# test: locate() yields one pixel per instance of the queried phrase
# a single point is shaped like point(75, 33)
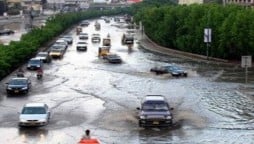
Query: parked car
point(96, 38)
point(18, 85)
point(67, 38)
point(34, 114)
point(113, 58)
point(172, 69)
point(34, 63)
point(44, 56)
point(81, 46)
point(155, 112)
point(6, 32)
point(83, 36)
point(56, 53)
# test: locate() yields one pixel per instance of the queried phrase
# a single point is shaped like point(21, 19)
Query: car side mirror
point(138, 108)
point(171, 108)
point(7, 83)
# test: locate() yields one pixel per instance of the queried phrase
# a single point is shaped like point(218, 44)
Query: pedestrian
point(86, 135)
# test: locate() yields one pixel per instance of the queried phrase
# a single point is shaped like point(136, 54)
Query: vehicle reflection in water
point(33, 133)
point(155, 135)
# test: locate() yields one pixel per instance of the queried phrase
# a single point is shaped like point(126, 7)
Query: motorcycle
point(20, 74)
point(39, 75)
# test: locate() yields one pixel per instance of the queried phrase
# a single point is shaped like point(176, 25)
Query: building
point(188, 2)
point(240, 2)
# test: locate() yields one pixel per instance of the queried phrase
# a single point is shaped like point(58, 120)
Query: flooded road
point(85, 92)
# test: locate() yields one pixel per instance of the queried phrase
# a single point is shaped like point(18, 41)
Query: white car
point(34, 114)
point(81, 46)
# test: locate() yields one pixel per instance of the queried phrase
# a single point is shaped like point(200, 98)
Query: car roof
point(154, 98)
point(35, 105)
point(19, 78)
point(35, 58)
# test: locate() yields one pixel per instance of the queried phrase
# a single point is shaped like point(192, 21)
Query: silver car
point(34, 114)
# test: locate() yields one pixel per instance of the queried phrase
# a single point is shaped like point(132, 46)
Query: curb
point(146, 43)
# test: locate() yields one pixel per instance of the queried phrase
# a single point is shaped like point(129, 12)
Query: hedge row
point(182, 27)
point(18, 52)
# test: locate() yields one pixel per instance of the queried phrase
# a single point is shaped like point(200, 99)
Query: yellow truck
point(103, 51)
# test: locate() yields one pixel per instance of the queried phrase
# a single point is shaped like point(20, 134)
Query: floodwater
point(85, 92)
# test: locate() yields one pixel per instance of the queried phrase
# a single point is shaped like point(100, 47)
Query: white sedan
point(34, 114)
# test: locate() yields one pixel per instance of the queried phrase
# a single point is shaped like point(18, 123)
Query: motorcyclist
point(39, 72)
point(20, 72)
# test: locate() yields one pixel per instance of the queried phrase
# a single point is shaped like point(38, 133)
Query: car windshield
point(56, 50)
point(18, 82)
point(34, 62)
point(155, 106)
point(33, 110)
point(175, 68)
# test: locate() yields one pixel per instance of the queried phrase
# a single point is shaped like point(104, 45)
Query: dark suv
point(155, 112)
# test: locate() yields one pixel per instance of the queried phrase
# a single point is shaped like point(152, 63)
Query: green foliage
point(182, 27)
point(16, 53)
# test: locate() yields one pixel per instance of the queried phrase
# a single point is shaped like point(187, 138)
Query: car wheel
point(185, 75)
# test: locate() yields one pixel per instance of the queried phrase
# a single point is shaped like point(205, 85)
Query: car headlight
point(22, 120)
point(168, 117)
point(24, 88)
point(9, 88)
point(42, 120)
point(142, 117)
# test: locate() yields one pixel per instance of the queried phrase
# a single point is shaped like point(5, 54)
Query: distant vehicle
point(34, 63)
point(6, 32)
point(56, 53)
point(34, 114)
point(83, 36)
point(84, 23)
point(173, 70)
point(67, 38)
point(103, 51)
point(44, 56)
point(18, 85)
point(106, 42)
point(155, 112)
point(78, 30)
point(62, 42)
point(127, 39)
point(107, 20)
point(113, 58)
point(81, 46)
point(97, 25)
point(96, 38)
point(58, 46)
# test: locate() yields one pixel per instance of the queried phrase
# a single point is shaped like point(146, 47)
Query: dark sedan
point(113, 58)
point(172, 69)
point(18, 85)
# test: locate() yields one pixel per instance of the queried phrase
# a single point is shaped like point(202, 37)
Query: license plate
point(156, 122)
point(16, 91)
